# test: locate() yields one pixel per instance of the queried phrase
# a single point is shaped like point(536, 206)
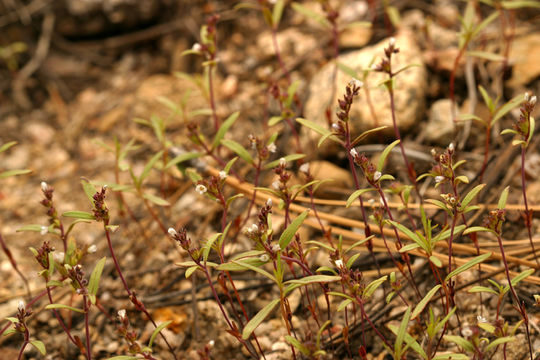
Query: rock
point(409, 91)
point(523, 56)
point(440, 127)
point(325, 170)
point(355, 37)
point(291, 42)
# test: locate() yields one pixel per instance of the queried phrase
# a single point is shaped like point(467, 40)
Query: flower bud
point(21, 305)
point(92, 249)
point(172, 232)
point(222, 175)
point(196, 47)
point(272, 147)
point(304, 168)
point(122, 314)
point(44, 230)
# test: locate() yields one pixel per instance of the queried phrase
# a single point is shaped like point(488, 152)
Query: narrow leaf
point(422, 304)
point(238, 149)
point(156, 332)
point(477, 260)
point(224, 128)
point(258, 319)
point(385, 154)
point(289, 232)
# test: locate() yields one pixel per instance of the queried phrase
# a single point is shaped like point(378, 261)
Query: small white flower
point(21, 305)
point(526, 97)
point(377, 175)
point(196, 47)
point(201, 189)
point(339, 263)
point(335, 127)
point(392, 41)
point(382, 200)
point(354, 82)
point(466, 332)
point(172, 232)
point(44, 230)
point(92, 249)
point(439, 179)
point(433, 152)
point(272, 147)
point(533, 101)
point(254, 228)
point(276, 248)
point(222, 175)
point(264, 258)
point(481, 319)
point(353, 153)
point(276, 185)
point(211, 343)
point(304, 168)
point(451, 146)
point(269, 202)
point(282, 162)
point(44, 186)
point(122, 313)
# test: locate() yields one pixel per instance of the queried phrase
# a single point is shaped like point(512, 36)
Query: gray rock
point(409, 90)
point(440, 127)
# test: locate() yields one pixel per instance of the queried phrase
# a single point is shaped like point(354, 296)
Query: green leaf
point(8, 173)
point(288, 158)
point(471, 195)
point(313, 126)
point(410, 341)
point(181, 158)
point(502, 200)
point(275, 120)
point(277, 11)
point(238, 149)
point(149, 165)
point(297, 344)
point(504, 109)
point(469, 264)
point(372, 286)
point(435, 260)
point(467, 117)
point(451, 356)
point(385, 154)
point(349, 71)
point(224, 128)
point(7, 145)
point(83, 215)
point(249, 266)
point(156, 199)
point(355, 195)
point(258, 318)
point(520, 4)
point(208, 245)
point(407, 232)
point(519, 277)
point(289, 232)
point(62, 306)
point(314, 279)
point(486, 55)
point(422, 304)
point(400, 336)
point(366, 134)
point(93, 283)
point(39, 345)
point(473, 229)
point(33, 227)
point(156, 332)
point(467, 345)
point(484, 23)
point(476, 289)
point(499, 341)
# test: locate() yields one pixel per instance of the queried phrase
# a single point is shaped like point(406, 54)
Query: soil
point(78, 76)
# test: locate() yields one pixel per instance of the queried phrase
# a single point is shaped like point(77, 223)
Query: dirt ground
point(78, 74)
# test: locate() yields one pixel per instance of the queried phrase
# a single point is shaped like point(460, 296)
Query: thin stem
point(528, 213)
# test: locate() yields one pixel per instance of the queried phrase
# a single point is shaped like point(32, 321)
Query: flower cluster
point(49, 204)
point(523, 125)
point(443, 170)
point(130, 336)
point(351, 90)
point(370, 171)
point(184, 241)
point(101, 212)
point(494, 220)
point(385, 64)
point(263, 151)
point(42, 255)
